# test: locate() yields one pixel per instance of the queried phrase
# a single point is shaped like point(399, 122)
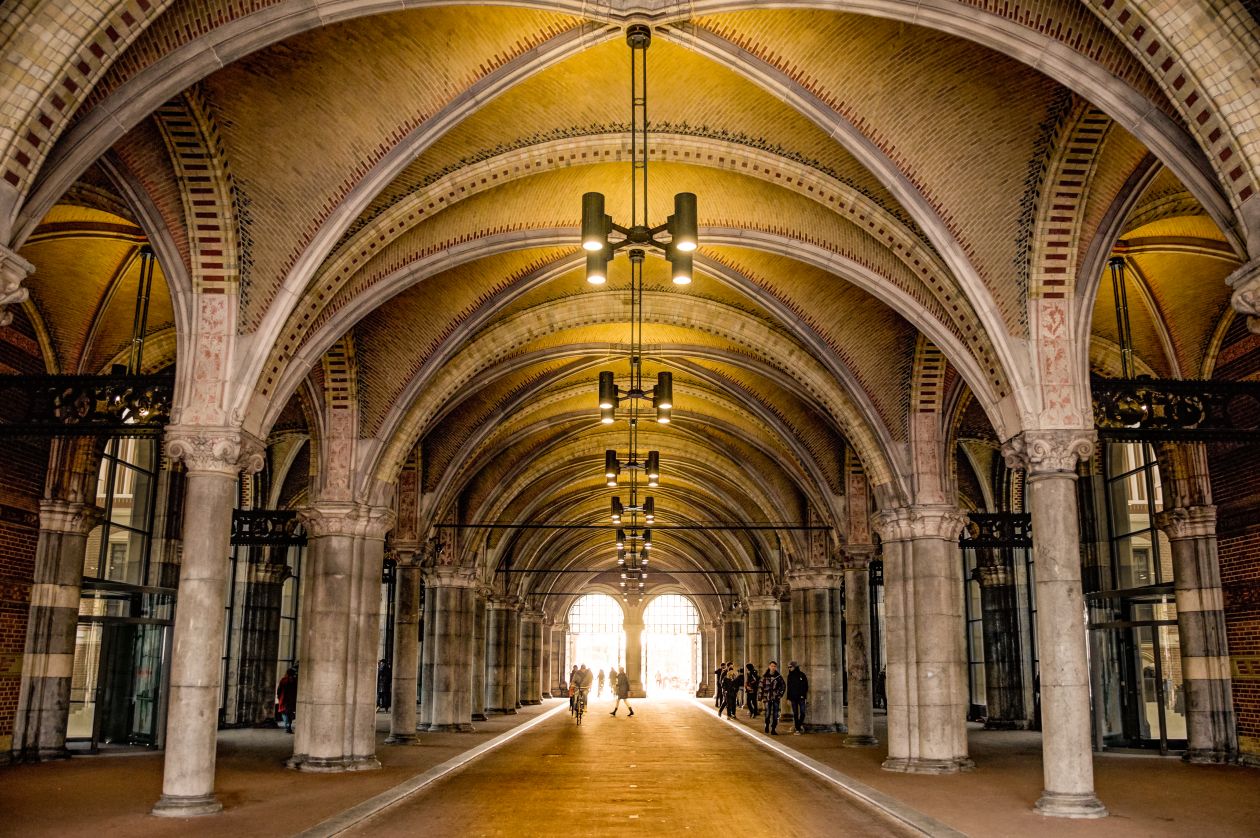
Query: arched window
point(671, 644)
point(671, 614)
point(596, 634)
point(595, 614)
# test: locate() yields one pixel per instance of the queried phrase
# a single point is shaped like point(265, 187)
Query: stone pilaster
point(44, 701)
point(452, 591)
point(404, 697)
point(926, 673)
point(213, 458)
point(13, 270)
point(860, 713)
point(546, 657)
point(1050, 458)
point(503, 635)
point(428, 640)
point(1211, 729)
point(734, 637)
point(336, 718)
point(531, 657)
point(814, 635)
point(1003, 660)
point(634, 652)
point(560, 662)
point(708, 659)
point(479, 655)
point(763, 631)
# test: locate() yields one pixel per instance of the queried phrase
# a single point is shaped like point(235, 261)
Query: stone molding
point(1049, 452)
point(215, 450)
point(812, 578)
point(450, 577)
point(1246, 297)
point(347, 519)
point(69, 517)
point(1187, 522)
point(763, 603)
point(13, 269)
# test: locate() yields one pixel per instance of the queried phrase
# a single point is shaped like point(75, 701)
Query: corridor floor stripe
point(912, 818)
point(341, 822)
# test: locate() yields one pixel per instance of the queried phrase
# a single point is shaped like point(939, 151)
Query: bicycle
point(579, 704)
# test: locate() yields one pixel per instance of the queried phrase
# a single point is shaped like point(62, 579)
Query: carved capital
point(13, 269)
point(1049, 452)
point(893, 524)
point(992, 576)
point(944, 522)
point(407, 554)
point(532, 615)
point(450, 577)
point(502, 602)
point(350, 519)
point(813, 578)
point(211, 450)
point(68, 517)
point(763, 603)
point(1246, 297)
point(857, 556)
point(1187, 522)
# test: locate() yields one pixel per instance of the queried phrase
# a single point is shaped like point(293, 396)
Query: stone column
point(634, 652)
point(502, 653)
point(402, 712)
point(453, 595)
point(1210, 725)
point(708, 659)
point(1003, 663)
point(260, 638)
point(1050, 459)
point(531, 657)
point(813, 636)
point(370, 529)
point(428, 639)
point(44, 701)
point(763, 631)
point(860, 714)
point(479, 655)
point(213, 459)
point(786, 650)
point(560, 663)
point(901, 699)
point(837, 657)
point(734, 637)
point(546, 657)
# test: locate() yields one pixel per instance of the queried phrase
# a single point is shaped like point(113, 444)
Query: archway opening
point(597, 637)
point(671, 644)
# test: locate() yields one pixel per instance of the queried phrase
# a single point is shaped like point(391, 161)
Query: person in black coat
point(797, 693)
point(752, 681)
point(732, 683)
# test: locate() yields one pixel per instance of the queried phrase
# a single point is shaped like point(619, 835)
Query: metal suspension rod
point(714, 525)
point(1124, 334)
point(140, 321)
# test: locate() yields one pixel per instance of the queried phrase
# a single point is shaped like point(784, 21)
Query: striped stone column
point(1210, 725)
point(44, 701)
point(402, 713)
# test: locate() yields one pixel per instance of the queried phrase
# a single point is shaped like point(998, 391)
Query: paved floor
point(672, 769)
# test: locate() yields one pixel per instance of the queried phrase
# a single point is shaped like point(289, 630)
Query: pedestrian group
point(762, 693)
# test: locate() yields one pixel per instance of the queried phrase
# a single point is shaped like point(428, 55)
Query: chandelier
point(634, 519)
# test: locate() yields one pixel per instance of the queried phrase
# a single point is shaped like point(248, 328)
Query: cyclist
point(580, 683)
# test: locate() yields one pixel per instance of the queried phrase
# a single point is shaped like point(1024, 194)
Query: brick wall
point(22, 467)
point(1235, 473)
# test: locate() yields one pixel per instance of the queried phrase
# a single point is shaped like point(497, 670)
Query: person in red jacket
point(286, 698)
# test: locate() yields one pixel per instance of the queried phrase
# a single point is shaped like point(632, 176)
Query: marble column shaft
point(1003, 664)
point(837, 658)
point(1211, 729)
point(48, 659)
point(560, 664)
point(634, 654)
point(479, 656)
point(763, 631)
point(1050, 458)
point(733, 626)
point(813, 635)
point(547, 663)
point(860, 714)
point(503, 651)
point(453, 592)
point(531, 658)
point(214, 458)
point(428, 641)
point(402, 713)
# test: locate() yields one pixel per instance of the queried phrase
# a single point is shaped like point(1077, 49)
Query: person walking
point(600, 677)
point(771, 692)
point(719, 695)
point(384, 685)
point(797, 693)
point(732, 686)
point(286, 698)
point(623, 692)
point(751, 682)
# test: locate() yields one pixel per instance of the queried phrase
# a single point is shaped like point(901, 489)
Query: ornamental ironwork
point(267, 527)
point(86, 405)
point(1154, 409)
point(996, 530)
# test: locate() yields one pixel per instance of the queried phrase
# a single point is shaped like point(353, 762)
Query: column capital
point(1187, 522)
point(1246, 297)
point(352, 519)
point(856, 556)
point(944, 522)
point(1049, 452)
point(503, 602)
point(763, 603)
point(993, 576)
point(13, 269)
point(214, 450)
point(269, 572)
point(65, 516)
point(810, 578)
point(451, 577)
point(533, 615)
point(407, 555)
point(892, 524)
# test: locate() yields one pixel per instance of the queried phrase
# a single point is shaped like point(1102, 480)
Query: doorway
point(597, 638)
point(671, 645)
point(117, 685)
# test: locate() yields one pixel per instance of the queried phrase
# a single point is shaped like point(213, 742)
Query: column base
point(530, 702)
point(479, 717)
point(918, 765)
point(464, 727)
point(547, 695)
point(1249, 760)
point(332, 765)
point(179, 806)
point(817, 728)
point(1209, 756)
point(1007, 724)
point(401, 739)
point(501, 711)
point(1055, 804)
point(41, 754)
point(859, 741)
